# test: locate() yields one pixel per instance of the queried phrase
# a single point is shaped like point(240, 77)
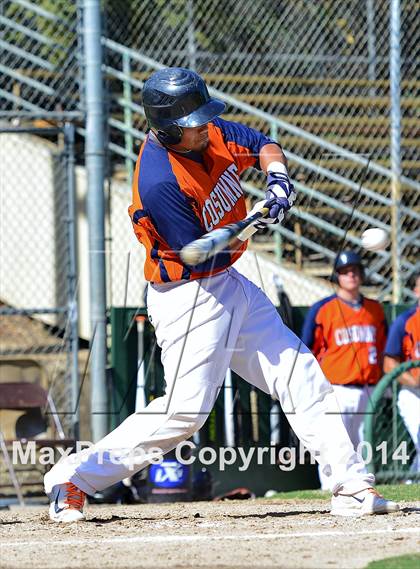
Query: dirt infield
point(258, 533)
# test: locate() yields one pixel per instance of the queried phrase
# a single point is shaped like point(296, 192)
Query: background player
point(403, 344)
point(209, 317)
point(347, 332)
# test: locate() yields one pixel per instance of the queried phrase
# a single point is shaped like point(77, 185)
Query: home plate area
point(234, 534)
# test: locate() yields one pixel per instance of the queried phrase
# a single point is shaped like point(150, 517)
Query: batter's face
point(350, 278)
point(195, 139)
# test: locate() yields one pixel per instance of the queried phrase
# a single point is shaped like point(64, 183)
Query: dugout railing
point(390, 451)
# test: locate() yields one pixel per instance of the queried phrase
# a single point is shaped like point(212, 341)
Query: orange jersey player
point(403, 344)
point(347, 334)
point(209, 317)
point(179, 196)
point(347, 338)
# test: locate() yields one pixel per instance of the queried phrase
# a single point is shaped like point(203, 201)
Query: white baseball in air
point(375, 239)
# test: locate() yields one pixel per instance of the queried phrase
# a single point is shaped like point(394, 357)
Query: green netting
point(391, 449)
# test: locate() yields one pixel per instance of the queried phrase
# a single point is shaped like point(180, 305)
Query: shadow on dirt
point(138, 518)
point(280, 514)
point(410, 510)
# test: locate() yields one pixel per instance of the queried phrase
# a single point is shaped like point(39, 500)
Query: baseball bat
point(215, 241)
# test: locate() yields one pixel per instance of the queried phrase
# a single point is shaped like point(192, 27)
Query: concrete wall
point(28, 263)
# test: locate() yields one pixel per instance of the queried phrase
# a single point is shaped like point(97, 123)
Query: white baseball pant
point(352, 401)
point(203, 327)
point(409, 408)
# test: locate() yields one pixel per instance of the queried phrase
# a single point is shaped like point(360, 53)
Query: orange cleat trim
point(75, 498)
point(374, 492)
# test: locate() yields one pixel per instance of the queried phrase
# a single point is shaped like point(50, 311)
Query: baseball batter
point(346, 332)
point(209, 317)
point(403, 344)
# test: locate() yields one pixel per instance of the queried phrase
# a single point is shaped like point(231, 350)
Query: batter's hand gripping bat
point(215, 241)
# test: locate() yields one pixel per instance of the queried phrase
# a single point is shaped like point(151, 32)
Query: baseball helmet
point(174, 98)
point(346, 258)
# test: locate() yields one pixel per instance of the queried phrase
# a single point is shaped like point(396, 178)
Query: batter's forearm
point(271, 153)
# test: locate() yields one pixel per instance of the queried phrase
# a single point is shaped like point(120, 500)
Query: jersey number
point(373, 355)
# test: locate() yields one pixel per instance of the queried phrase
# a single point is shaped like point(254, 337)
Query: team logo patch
point(222, 198)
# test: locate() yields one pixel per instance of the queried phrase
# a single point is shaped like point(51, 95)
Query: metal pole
point(73, 312)
point(95, 162)
point(128, 116)
point(275, 423)
point(192, 51)
point(11, 470)
point(229, 410)
point(395, 86)
point(278, 247)
point(371, 41)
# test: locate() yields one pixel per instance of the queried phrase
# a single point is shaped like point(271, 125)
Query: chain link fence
point(38, 305)
point(320, 66)
point(323, 66)
point(41, 54)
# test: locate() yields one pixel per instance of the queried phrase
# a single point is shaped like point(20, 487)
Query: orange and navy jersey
point(179, 197)
point(403, 341)
point(347, 341)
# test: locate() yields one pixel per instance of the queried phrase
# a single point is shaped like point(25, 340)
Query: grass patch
point(397, 492)
point(410, 561)
point(302, 495)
